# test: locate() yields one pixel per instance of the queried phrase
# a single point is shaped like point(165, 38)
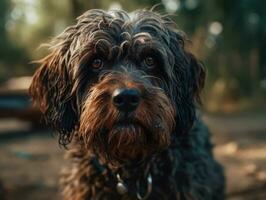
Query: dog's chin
point(128, 141)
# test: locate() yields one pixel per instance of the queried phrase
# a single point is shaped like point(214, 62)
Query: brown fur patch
point(148, 129)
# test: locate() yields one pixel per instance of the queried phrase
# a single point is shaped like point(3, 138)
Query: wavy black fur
point(63, 86)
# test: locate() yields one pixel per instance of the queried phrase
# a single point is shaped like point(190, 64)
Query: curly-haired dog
point(121, 91)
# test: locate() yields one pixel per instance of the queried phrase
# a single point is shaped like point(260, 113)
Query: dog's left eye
point(97, 63)
point(149, 62)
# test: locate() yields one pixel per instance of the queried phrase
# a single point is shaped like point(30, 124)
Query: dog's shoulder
point(200, 135)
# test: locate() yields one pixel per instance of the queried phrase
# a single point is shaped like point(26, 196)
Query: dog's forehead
point(117, 24)
point(118, 36)
point(146, 23)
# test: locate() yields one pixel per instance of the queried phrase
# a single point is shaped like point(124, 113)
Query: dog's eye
point(149, 62)
point(97, 63)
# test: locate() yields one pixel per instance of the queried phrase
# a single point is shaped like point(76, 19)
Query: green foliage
point(236, 54)
point(10, 54)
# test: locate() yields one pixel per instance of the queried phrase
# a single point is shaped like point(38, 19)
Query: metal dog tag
point(120, 186)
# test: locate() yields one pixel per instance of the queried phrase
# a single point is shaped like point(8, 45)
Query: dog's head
point(122, 84)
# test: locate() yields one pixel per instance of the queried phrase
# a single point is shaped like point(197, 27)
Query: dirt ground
point(30, 161)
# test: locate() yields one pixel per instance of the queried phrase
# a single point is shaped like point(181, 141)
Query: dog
point(121, 90)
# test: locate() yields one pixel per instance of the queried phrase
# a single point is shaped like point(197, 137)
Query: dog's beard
point(118, 137)
point(127, 141)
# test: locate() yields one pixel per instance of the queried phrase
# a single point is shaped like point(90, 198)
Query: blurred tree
point(3, 35)
point(79, 6)
point(230, 36)
point(245, 39)
point(34, 22)
point(10, 55)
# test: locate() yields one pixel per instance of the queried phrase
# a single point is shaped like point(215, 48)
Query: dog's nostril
point(117, 100)
point(135, 99)
point(126, 99)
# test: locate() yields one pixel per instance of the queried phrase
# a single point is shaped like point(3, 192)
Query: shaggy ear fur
point(190, 78)
point(54, 90)
point(50, 90)
point(198, 75)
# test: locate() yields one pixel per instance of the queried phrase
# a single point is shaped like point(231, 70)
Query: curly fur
point(163, 135)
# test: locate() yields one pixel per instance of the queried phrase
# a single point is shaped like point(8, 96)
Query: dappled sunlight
point(20, 83)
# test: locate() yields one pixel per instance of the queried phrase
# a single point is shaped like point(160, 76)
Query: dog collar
point(148, 189)
point(122, 189)
point(121, 186)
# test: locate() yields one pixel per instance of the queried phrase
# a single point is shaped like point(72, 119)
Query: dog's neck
point(131, 170)
point(130, 178)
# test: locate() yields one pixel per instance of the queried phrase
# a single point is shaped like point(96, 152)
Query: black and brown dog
point(121, 91)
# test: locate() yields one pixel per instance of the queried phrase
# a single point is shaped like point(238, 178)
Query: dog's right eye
point(97, 63)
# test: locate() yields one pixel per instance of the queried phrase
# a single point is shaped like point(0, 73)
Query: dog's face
point(123, 85)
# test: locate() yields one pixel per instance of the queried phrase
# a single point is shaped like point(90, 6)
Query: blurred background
point(228, 36)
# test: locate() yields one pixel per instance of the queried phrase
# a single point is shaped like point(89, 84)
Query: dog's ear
point(50, 90)
point(197, 76)
point(189, 80)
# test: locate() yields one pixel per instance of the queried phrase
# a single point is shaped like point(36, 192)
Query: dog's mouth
point(129, 124)
point(131, 128)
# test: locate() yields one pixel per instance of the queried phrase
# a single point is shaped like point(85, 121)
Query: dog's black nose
point(126, 99)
